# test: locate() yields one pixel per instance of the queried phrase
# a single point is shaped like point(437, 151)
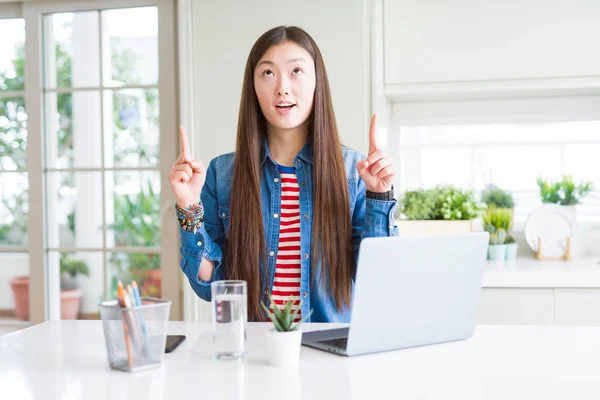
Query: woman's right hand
point(187, 176)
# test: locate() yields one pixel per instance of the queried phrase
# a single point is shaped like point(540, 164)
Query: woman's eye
point(268, 72)
point(297, 71)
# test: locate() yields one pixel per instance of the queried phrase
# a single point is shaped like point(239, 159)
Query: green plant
point(455, 204)
point(509, 240)
point(69, 269)
point(498, 221)
point(564, 192)
point(418, 204)
point(283, 318)
point(493, 196)
point(137, 223)
point(441, 203)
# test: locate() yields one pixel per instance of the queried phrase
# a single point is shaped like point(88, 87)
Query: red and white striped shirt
point(286, 285)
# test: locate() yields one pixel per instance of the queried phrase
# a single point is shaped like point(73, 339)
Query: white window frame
point(13, 11)
point(44, 284)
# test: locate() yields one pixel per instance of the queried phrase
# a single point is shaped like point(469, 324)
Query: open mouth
point(285, 106)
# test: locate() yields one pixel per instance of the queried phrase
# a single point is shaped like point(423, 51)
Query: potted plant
point(497, 222)
point(564, 192)
point(511, 248)
point(284, 340)
point(137, 223)
point(494, 197)
point(70, 293)
point(443, 209)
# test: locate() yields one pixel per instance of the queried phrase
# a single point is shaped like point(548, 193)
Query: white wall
point(224, 32)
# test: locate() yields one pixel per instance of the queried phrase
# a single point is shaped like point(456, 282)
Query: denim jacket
point(369, 218)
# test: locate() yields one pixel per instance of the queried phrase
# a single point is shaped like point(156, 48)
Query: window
point(14, 203)
point(100, 95)
point(511, 156)
point(102, 144)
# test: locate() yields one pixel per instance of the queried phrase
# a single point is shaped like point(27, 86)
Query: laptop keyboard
point(338, 342)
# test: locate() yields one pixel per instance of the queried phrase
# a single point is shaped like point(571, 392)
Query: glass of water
point(230, 317)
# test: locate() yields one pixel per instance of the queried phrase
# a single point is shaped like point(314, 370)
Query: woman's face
point(284, 80)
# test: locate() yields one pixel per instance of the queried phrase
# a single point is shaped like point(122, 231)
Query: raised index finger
point(185, 145)
point(373, 147)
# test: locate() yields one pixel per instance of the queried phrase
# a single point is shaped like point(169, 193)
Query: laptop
point(410, 291)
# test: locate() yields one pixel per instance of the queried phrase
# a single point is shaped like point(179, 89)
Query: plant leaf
point(304, 319)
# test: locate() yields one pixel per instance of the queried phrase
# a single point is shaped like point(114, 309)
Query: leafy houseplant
point(494, 197)
point(69, 269)
point(418, 205)
point(454, 204)
point(564, 192)
point(283, 342)
point(440, 203)
point(443, 209)
point(497, 221)
point(137, 223)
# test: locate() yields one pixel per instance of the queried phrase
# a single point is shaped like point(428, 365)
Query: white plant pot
point(283, 347)
point(511, 251)
point(497, 252)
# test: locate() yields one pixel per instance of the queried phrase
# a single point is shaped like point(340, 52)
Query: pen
point(138, 300)
point(132, 296)
point(136, 292)
point(123, 301)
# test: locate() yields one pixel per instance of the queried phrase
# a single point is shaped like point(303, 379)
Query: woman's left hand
point(378, 170)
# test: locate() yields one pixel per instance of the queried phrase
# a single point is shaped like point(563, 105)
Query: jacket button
point(199, 244)
point(304, 295)
point(303, 183)
point(305, 216)
point(272, 253)
point(223, 215)
point(305, 255)
point(276, 180)
point(275, 216)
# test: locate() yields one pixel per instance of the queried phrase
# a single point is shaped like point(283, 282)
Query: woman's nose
point(283, 89)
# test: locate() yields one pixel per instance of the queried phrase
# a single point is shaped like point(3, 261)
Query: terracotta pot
point(70, 300)
point(20, 288)
point(70, 303)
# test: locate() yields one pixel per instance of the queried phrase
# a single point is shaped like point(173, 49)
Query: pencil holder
point(135, 337)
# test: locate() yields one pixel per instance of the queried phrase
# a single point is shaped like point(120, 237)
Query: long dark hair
point(332, 225)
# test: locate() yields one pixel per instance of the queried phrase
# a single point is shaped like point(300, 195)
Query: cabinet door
point(500, 306)
point(577, 307)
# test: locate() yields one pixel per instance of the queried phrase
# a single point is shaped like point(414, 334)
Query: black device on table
point(173, 341)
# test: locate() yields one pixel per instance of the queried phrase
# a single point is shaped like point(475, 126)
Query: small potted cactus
point(511, 248)
point(497, 222)
point(284, 340)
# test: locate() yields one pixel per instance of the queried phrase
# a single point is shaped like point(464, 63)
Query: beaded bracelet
point(191, 217)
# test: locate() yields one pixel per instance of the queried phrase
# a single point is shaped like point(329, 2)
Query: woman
point(287, 211)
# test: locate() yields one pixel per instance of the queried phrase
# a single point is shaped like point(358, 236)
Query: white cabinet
point(540, 306)
point(577, 307)
point(432, 41)
point(518, 306)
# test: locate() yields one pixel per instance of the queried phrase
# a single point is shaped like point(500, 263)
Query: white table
point(67, 360)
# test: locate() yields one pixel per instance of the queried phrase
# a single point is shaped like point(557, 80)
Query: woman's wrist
point(191, 217)
point(388, 195)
